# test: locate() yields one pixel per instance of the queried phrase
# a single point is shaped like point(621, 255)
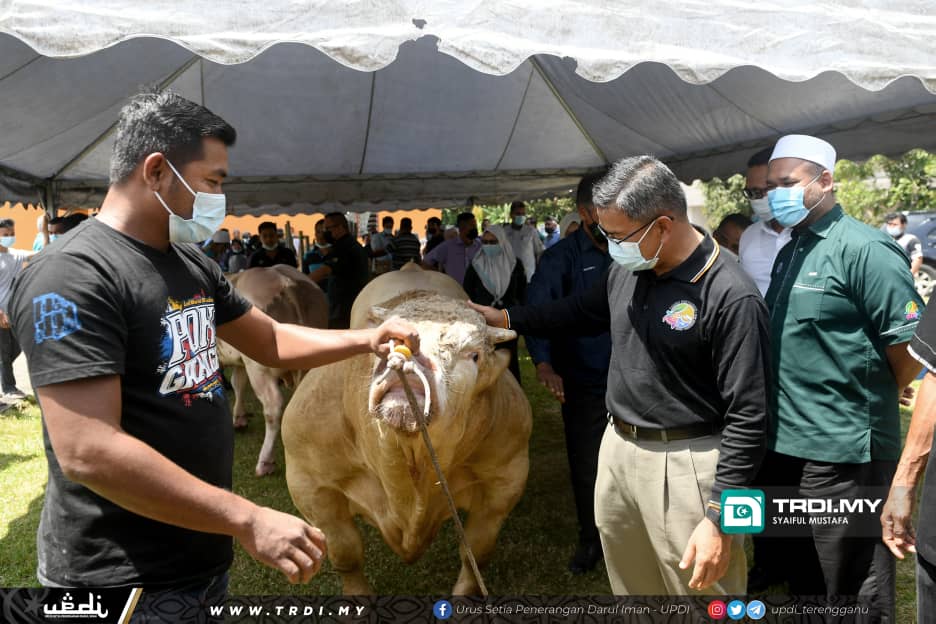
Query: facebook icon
point(442, 610)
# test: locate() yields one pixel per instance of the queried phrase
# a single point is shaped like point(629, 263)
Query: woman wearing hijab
point(496, 278)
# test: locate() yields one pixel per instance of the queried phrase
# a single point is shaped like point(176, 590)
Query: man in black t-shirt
point(120, 322)
point(271, 252)
point(346, 263)
point(897, 514)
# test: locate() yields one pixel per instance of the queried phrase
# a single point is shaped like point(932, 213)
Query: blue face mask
point(53, 238)
point(519, 220)
point(628, 254)
point(786, 204)
point(492, 250)
point(7, 241)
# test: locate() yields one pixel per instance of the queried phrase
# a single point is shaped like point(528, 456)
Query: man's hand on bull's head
point(492, 316)
point(397, 330)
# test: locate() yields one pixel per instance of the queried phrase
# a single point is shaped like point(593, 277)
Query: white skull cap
point(805, 147)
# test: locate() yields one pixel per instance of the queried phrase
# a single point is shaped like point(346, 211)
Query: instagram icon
point(717, 609)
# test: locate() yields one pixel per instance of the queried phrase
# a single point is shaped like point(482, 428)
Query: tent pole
point(513, 128)
point(370, 111)
point(568, 110)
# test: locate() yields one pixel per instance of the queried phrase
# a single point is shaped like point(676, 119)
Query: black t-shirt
point(100, 303)
point(284, 255)
point(923, 348)
point(348, 262)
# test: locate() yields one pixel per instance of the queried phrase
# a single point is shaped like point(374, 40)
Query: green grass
point(531, 556)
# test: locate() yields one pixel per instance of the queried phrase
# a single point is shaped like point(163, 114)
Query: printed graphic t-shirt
point(101, 303)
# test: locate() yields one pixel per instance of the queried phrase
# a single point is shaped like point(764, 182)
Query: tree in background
point(557, 207)
point(722, 198)
point(862, 188)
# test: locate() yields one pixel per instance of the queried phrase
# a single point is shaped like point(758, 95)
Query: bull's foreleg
point(328, 510)
point(489, 508)
point(267, 389)
point(239, 383)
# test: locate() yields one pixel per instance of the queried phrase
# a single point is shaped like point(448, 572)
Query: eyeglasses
point(755, 193)
point(604, 232)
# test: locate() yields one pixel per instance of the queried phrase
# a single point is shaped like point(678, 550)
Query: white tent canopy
point(379, 104)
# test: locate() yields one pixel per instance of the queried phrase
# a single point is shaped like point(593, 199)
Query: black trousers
point(9, 351)
point(926, 591)
point(850, 564)
point(585, 419)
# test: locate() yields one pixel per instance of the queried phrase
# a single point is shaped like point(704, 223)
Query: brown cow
point(353, 445)
point(287, 296)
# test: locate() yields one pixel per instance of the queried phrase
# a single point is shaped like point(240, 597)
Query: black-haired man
point(346, 266)
point(120, 326)
point(760, 243)
point(896, 225)
point(575, 368)
point(271, 251)
point(453, 256)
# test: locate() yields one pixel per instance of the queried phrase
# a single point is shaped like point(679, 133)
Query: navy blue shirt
point(569, 268)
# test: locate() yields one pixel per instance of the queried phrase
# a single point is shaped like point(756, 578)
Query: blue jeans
point(187, 603)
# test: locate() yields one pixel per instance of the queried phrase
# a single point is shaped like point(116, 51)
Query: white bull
point(353, 446)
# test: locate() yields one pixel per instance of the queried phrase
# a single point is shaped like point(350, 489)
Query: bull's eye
point(474, 356)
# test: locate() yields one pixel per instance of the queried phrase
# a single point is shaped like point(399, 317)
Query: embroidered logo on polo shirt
point(681, 315)
point(912, 311)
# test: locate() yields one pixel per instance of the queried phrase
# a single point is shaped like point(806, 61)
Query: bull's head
point(457, 357)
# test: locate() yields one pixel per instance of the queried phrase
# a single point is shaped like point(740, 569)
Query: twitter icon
point(736, 609)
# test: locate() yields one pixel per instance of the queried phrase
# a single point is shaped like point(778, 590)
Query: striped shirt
point(403, 248)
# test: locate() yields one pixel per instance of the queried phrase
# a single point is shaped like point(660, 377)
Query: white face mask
point(895, 230)
point(207, 215)
point(761, 208)
point(628, 254)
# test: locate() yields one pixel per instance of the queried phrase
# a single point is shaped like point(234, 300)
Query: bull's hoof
point(265, 467)
point(240, 423)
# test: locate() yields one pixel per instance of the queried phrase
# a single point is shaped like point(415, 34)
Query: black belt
point(633, 432)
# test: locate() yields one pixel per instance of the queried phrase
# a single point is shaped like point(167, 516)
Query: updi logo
point(717, 609)
point(742, 511)
point(442, 609)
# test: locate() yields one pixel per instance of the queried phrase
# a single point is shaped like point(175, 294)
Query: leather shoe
point(586, 557)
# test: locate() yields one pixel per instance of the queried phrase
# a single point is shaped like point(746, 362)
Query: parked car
point(923, 226)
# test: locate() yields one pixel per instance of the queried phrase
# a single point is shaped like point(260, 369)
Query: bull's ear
point(497, 335)
point(494, 368)
point(377, 316)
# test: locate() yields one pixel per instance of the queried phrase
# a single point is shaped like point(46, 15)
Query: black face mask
point(600, 238)
point(329, 237)
point(472, 234)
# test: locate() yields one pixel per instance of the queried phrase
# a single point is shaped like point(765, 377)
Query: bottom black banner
point(28, 606)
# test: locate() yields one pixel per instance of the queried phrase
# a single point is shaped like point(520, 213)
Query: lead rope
point(399, 360)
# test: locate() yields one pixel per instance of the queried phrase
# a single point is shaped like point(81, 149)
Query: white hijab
point(495, 271)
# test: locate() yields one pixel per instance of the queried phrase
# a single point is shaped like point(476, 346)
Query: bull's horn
point(378, 315)
point(497, 335)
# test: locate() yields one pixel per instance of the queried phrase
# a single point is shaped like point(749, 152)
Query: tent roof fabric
point(383, 104)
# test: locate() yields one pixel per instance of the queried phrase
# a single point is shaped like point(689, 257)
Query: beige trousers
point(649, 498)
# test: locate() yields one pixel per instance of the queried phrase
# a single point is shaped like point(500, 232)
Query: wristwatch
point(713, 512)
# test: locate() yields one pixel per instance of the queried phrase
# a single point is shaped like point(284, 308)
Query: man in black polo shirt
point(347, 262)
point(897, 515)
point(271, 251)
point(686, 386)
